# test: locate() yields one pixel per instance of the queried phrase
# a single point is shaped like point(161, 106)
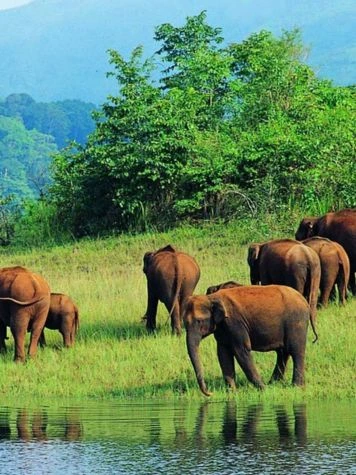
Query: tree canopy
point(226, 129)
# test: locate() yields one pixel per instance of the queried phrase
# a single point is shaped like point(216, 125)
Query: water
point(178, 438)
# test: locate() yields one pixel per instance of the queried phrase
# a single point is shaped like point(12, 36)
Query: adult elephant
point(339, 226)
point(24, 303)
point(287, 262)
point(267, 318)
point(335, 267)
point(171, 277)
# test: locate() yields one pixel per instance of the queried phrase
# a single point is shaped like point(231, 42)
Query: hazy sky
point(5, 4)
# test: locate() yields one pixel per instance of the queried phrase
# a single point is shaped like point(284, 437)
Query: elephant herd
point(271, 316)
point(26, 304)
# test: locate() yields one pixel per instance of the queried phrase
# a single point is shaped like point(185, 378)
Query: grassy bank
point(115, 358)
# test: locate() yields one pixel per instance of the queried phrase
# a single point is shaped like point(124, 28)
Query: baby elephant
point(63, 315)
point(225, 285)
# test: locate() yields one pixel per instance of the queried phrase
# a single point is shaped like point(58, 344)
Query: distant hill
point(56, 49)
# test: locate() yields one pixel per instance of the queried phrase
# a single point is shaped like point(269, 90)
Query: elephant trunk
point(193, 341)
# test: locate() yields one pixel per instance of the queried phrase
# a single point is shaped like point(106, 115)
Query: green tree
point(24, 159)
point(224, 127)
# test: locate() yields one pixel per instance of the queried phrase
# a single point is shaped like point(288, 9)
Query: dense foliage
point(227, 130)
point(30, 133)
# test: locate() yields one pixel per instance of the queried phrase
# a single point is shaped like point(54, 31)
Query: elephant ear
point(219, 310)
point(147, 260)
point(253, 253)
point(311, 227)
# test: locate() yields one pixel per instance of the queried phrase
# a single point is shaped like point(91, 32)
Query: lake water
point(178, 438)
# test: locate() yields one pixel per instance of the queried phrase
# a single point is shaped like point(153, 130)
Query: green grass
point(114, 357)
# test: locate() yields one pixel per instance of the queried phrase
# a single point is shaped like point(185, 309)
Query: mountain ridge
point(56, 49)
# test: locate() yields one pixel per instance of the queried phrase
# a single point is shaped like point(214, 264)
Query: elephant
point(63, 315)
point(253, 317)
point(24, 303)
point(287, 262)
point(171, 277)
point(225, 285)
point(335, 267)
point(340, 227)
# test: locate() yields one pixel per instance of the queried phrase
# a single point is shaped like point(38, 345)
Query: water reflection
point(32, 425)
point(182, 437)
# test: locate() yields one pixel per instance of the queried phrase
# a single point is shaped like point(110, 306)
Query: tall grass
point(115, 358)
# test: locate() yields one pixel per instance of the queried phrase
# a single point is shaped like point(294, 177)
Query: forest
point(199, 131)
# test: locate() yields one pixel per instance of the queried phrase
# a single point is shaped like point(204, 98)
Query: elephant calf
point(260, 318)
point(63, 315)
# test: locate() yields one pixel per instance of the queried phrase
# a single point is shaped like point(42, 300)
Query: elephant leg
point(298, 368)
point(281, 364)
point(151, 312)
point(342, 288)
point(352, 282)
point(175, 319)
point(18, 331)
point(226, 361)
point(333, 294)
point(67, 340)
point(2, 337)
point(245, 360)
point(326, 286)
point(36, 330)
point(42, 340)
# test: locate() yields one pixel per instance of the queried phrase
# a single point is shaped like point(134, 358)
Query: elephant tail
point(314, 283)
point(76, 322)
point(178, 284)
point(22, 302)
point(312, 323)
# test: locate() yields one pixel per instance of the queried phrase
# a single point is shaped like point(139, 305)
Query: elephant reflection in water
point(31, 429)
point(237, 430)
point(33, 426)
point(249, 428)
point(5, 430)
point(73, 429)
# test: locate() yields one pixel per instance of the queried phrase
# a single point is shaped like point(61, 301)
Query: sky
point(6, 4)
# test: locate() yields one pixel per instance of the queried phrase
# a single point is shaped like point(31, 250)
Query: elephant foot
point(230, 384)
point(259, 385)
point(19, 359)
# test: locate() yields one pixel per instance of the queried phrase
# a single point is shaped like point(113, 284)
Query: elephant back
point(22, 285)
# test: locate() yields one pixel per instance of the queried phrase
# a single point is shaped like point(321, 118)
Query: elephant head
point(307, 228)
point(202, 314)
point(253, 261)
point(148, 257)
point(225, 285)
